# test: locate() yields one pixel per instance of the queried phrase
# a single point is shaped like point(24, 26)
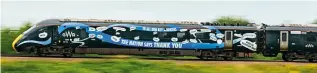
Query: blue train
point(179, 38)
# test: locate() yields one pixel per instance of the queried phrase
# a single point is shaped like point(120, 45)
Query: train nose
point(14, 43)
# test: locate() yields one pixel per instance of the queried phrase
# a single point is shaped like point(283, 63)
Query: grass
point(146, 66)
point(261, 57)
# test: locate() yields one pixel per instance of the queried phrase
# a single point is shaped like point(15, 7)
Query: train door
point(284, 41)
point(228, 40)
point(54, 35)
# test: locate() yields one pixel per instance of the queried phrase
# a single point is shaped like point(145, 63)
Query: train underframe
point(201, 54)
point(290, 56)
point(47, 50)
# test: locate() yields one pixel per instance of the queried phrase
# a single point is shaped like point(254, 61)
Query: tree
point(25, 27)
point(5, 31)
point(6, 40)
point(8, 36)
point(231, 20)
point(315, 21)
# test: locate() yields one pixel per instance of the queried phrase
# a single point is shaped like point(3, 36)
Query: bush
point(8, 36)
point(232, 20)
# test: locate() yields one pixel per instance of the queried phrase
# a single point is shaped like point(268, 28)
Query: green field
point(132, 65)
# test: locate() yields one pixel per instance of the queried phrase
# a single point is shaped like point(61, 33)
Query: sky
point(13, 14)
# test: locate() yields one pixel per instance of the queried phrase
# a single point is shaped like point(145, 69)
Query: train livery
point(204, 40)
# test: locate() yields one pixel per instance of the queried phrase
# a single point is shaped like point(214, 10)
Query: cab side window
point(42, 34)
point(42, 29)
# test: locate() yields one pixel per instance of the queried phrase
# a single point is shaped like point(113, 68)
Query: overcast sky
point(15, 13)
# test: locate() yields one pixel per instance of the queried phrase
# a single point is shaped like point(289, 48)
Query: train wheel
point(40, 52)
point(312, 58)
point(288, 57)
point(227, 58)
point(202, 57)
point(67, 55)
point(68, 52)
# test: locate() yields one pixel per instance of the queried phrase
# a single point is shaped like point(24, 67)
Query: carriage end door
point(228, 40)
point(284, 41)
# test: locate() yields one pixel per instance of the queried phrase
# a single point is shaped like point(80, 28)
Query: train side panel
point(188, 40)
point(245, 40)
point(302, 41)
point(272, 43)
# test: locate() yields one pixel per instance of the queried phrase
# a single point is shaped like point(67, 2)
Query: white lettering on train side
point(147, 44)
point(135, 43)
point(125, 42)
point(176, 45)
point(158, 29)
point(162, 45)
point(151, 44)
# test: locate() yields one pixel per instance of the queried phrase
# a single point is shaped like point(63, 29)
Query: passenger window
point(295, 38)
point(228, 35)
point(145, 35)
point(180, 35)
point(284, 37)
point(167, 34)
point(83, 33)
point(130, 34)
point(200, 35)
point(162, 34)
point(311, 38)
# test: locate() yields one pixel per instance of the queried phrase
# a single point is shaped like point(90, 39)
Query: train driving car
point(294, 42)
point(69, 36)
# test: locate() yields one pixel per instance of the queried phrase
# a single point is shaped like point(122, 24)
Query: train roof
point(95, 22)
point(98, 21)
point(49, 22)
point(156, 22)
point(191, 24)
point(130, 21)
point(292, 28)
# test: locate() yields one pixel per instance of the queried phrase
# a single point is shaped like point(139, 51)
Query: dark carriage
point(294, 42)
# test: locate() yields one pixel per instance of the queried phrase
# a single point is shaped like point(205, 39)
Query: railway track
point(123, 57)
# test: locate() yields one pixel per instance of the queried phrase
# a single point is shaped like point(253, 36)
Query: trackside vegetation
point(8, 35)
point(146, 66)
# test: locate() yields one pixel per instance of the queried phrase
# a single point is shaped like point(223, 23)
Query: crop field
point(123, 64)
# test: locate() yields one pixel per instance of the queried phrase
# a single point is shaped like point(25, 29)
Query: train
point(205, 40)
